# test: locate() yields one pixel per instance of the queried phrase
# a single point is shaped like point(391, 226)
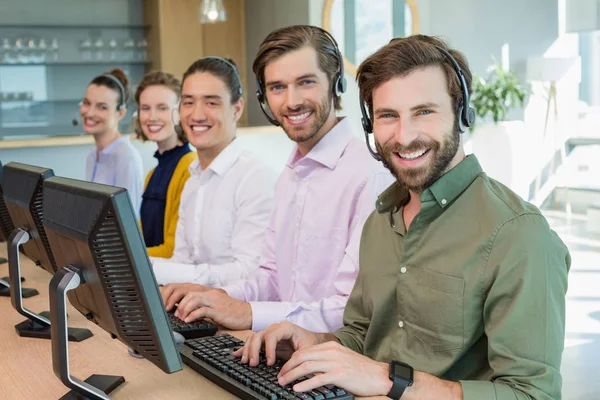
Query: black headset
point(339, 80)
point(465, 112)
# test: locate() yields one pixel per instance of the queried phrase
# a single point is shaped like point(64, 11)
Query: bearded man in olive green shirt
point(460, 279)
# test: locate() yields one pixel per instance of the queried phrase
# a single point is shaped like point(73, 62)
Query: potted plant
point(495, 96)
point(498, 143)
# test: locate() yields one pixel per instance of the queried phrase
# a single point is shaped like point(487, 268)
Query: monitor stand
point(96, 387)
point(5, 289)
point(37, 326)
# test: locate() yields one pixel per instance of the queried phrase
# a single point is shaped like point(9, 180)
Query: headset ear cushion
point(342, 84)
point(470, 116)
point(259, 96)
point(178, 129)
point(461, 118)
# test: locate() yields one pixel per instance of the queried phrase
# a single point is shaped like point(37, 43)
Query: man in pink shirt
point(310, 255)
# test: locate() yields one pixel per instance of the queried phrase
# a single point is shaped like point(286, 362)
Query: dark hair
point(118, 74)
point(224, 69)
point(157, 78)
point(402, 56)
point(292, 38)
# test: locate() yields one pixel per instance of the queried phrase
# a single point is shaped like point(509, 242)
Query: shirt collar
point(329, 149)
point(445, 190)
point(223, 162)
point(174, 152)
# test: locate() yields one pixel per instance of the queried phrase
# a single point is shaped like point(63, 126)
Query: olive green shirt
point(473, 292)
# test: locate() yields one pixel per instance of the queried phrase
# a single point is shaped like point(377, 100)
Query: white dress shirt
point(310, 255)
point(223, 213)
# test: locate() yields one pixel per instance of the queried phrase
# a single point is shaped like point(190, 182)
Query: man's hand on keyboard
point(280, 341)
point(174, 292)
point(335, 364)
point(217, 305)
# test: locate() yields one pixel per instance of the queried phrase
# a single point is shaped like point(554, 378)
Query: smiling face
point(156, 105)
point(414, 127)
point(299, 95)
point(98, 110)
point(207, 115)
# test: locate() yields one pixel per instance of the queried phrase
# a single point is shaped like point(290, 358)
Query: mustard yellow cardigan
point(180, 176)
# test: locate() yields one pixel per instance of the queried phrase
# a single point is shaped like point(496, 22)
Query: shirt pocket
point(438, 313)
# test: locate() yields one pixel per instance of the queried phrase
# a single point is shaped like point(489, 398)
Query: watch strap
point(399, 385)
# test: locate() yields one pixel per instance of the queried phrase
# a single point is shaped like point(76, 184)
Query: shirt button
point(403, 270)
point(401, 324)
point(444, 201)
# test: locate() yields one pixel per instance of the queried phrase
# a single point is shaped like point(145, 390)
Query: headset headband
point(121, 89)
point(235, 70)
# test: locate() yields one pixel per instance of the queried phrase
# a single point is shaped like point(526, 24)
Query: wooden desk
point(26, 364)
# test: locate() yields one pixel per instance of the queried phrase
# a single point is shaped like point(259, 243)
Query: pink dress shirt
point(309, 260)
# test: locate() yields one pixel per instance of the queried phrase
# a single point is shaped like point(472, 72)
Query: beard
point(305, 133)
point(419, 179)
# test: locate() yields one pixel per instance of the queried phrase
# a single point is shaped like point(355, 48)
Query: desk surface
point(26, 364)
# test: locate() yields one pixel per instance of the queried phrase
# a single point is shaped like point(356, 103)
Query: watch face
point(403, 371)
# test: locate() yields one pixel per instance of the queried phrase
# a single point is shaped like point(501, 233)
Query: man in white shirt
point(226, 203)
point(310, 257)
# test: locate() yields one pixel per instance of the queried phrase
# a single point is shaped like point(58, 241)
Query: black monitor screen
point(23, 192)
point(92, 228)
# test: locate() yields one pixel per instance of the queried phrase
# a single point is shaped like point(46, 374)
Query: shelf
point(63, 63)
point(53, 26)
point(40, 101)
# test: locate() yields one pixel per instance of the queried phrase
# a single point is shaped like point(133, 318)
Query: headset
point(465, 113)
point(121, 88)
point(117, 82)
point(339, 80)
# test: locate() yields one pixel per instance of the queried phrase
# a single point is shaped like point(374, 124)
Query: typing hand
point(217, 305)
point(174, 292)
point(280, 341)
point(335, 364)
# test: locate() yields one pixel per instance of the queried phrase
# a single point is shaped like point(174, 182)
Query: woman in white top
point(114, 161)
point(228, 199)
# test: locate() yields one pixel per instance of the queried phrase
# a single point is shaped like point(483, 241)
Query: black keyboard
point(211, 357)
point(191, 330)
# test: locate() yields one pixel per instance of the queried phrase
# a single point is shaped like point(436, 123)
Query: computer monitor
point(23, 195)
point(6, 225)
point(6, 228)
point(105, 272)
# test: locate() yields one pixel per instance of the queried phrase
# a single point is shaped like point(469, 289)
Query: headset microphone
point(74, 122)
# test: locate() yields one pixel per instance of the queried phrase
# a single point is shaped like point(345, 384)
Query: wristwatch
point(401, 374)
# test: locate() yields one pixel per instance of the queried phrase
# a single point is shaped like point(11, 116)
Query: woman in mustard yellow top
point(156, 97)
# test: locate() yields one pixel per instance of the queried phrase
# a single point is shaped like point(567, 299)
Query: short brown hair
point(291, 38)
point(156, 78)
point(402, 56)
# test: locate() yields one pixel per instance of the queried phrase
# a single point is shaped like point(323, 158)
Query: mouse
point(179, 338)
